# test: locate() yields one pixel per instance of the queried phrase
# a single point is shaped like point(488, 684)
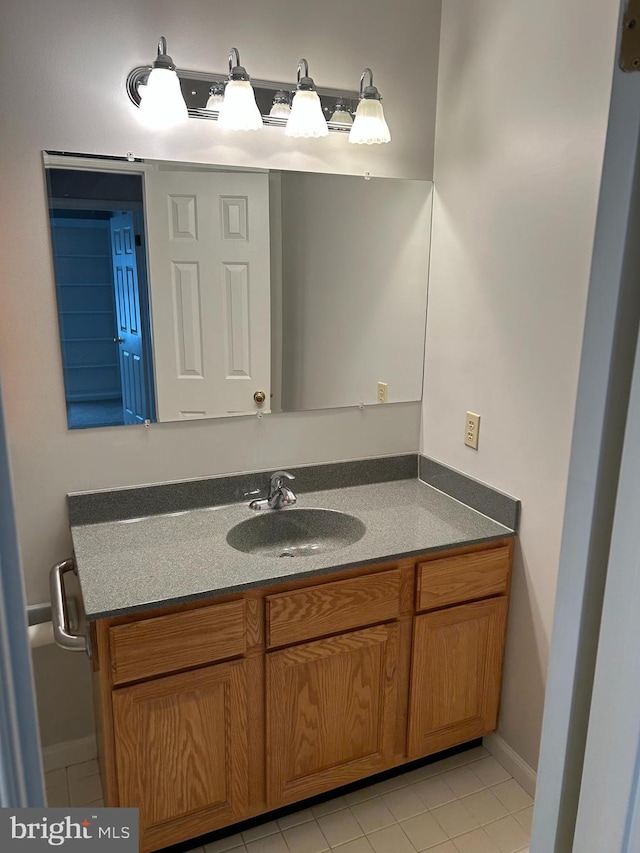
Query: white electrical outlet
point(383, 388)
point(471, 430)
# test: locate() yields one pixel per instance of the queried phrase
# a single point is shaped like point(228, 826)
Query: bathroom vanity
point(253, 682)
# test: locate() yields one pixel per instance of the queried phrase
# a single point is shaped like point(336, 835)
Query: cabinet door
point(455, 675)
point(331, 712)
point(181, 752)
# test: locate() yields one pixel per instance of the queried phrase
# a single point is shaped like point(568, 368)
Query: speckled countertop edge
point(139, 564)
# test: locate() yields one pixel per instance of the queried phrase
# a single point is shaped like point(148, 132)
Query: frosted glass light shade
point(342, 117)
point(239, 110)
point(369, 126)
point(280, 111)
point(306, 118)
point(215, 101)
point(162, 104)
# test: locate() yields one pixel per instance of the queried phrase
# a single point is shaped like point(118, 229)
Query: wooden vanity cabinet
point(211, 713)
point(177, 692)
point(331, 712)
point(182, 751)
point(331, 704)
point(456, 667)
point(455, 675)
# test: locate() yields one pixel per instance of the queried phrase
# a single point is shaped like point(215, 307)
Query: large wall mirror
point(194, 291)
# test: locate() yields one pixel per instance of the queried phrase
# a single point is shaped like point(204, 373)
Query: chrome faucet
point(280, 495)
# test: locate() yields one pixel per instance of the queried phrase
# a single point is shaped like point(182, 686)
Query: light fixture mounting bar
point(630, 39)
point(196, 84)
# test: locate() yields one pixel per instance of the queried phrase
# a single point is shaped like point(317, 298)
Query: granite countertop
point(158, 560)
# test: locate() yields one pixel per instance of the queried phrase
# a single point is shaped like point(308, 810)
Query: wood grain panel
point(105, 728)
point(177, 641)
point(182, 751)
point(254, 621)
point(255, 731)
point(463, 578)
point(332, 607)
point(456, 675)
point(331, 712)
point(407, 587)
point(405, 626)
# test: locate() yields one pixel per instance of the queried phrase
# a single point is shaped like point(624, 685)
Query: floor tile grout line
point(384, 788)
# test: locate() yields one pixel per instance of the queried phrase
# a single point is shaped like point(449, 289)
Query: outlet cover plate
point(471, 430)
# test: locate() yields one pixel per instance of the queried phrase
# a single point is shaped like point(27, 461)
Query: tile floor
point(467, 803)
point(77, 785)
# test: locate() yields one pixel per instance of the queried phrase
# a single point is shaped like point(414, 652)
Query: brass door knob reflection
point(259, 397)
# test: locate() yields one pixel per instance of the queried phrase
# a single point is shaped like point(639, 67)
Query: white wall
point(523, 98)
point(62, 70)
point(355, 267)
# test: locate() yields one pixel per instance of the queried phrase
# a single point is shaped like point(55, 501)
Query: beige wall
point(62, 70)
point(523, 98)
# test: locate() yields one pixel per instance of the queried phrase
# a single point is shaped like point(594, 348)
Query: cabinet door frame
point(424, 736)
point(128, 717)
point(279, 664)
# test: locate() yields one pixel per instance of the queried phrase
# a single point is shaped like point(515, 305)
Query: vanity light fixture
point(281, 106)
point(162, 104)
point(237, 102)
point(239, 110)
point(216, 97)
point(341, 113)
point(369, 126)
point(306, 118)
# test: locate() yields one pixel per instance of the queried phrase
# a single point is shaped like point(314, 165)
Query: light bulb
point(341, 114)
point(216, 97)
point(369, 126)
point(162, 103)
point(281, 107)
point(306, 118)
point(239, 110)
point(280, 111)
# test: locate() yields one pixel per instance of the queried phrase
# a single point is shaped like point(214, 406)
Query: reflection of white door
point(209, 271)
point(129, 328)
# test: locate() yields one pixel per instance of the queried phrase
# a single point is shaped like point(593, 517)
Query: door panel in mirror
point(210, 290)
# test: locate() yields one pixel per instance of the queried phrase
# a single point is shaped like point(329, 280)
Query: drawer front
point(463, 578)
point(332, 607)
point(177, 641)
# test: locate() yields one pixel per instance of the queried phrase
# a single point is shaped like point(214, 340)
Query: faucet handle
point(281, 476)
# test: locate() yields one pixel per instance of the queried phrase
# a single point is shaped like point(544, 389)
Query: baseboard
point(511, 761)
point(71, 752)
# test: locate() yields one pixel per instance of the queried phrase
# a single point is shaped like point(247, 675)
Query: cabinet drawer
point(177, 641)
point(332, 607)
point(463, 578)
